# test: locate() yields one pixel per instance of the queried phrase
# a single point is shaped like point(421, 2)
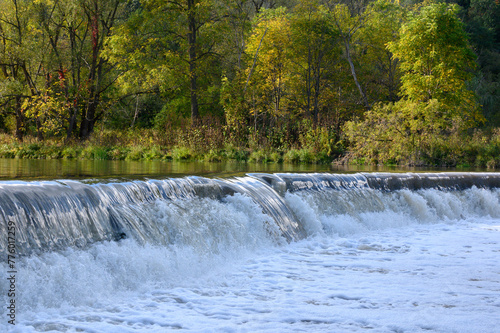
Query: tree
point(101, 17)
point(57, 64)
point(20, 60)
point(314, 55)
point(377, 66)
point(482, 22)
point(437, 62)
point(269, 72)
point(169, 46)
point(435, 57)
point(349, 20)
point(78, 75)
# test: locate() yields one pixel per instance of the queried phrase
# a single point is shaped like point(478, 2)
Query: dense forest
point(357, 81)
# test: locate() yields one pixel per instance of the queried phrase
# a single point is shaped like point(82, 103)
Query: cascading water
point(338, 204)
point(168, 245)
point(57, 214)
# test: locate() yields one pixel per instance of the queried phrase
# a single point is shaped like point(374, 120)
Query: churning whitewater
point(261, 253)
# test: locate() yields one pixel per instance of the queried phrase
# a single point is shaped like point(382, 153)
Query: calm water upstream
point(80, 169)
point(117, 246)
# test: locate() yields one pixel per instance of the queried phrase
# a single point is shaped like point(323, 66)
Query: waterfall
point(52, 215)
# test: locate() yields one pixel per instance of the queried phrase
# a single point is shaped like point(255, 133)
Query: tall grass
point(215, 142)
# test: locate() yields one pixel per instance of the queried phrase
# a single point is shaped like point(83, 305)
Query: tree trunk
point(39, 132)
point(88, 121)
point(19, 120)
point(317, 86)
point(346, 36)
point(192, 61)
point(72, 123)
point(316, 97)
point(309, 83)
point(75, 81)
point(254, 62)
point(88, 113)
point(353, 72)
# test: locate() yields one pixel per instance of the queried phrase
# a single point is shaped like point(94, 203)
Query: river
point(209, 248)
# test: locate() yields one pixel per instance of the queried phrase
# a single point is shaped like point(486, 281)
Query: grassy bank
point(480, 149)
point(47, 150)
point(314, 146)
point(202, 144)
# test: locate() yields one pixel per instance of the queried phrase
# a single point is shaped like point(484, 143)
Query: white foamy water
point(372, 261)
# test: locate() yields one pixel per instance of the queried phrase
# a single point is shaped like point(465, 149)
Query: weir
point(383, 181)
point(52, 215)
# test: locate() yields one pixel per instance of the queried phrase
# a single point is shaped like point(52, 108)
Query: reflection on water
point(80, 169)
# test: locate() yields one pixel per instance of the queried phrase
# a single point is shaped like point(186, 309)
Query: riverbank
point(43, 150)
point(202, 144)
point(480, 150)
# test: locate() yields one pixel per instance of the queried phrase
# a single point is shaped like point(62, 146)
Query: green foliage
point(166, 47)
point(482, 20)
point(377, 66)
point(136, 153)
point(234, 153)
point(28, 151)
point(292, 156)
point(182, 153)
point(50, 152)
point(236, 109)
point(50, 110)
point(173, 114)
point(70, 153)
point(401, 133)
point(318, 139)
point(268, 74)
point(92, 152)
point(306, 156)
point(315, 59)
point(54, 81)
point(7, 151)
point(213, 156)
point(119, 153)
point(436, 61)
point(268, 83)
point(153, 153)
point(262, 156)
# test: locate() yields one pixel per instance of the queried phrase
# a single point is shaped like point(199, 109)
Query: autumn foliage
point(307, 80)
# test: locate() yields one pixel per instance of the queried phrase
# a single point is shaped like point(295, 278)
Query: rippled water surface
point(80, 169)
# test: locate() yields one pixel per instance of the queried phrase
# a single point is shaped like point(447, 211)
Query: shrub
point(258, 156)
point(119, 153)
point(306, 156)
point(70, 152)
point(135, 153)
point(213, 156)
point(95, 153)
point(233, 153)
point(153, 153)
point(275, 157)
point(7, 151)
point(181, 153)
point(49, 152)
point(319, 139)
point(292, 156)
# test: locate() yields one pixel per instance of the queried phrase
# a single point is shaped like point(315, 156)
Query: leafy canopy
point(436, 62)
